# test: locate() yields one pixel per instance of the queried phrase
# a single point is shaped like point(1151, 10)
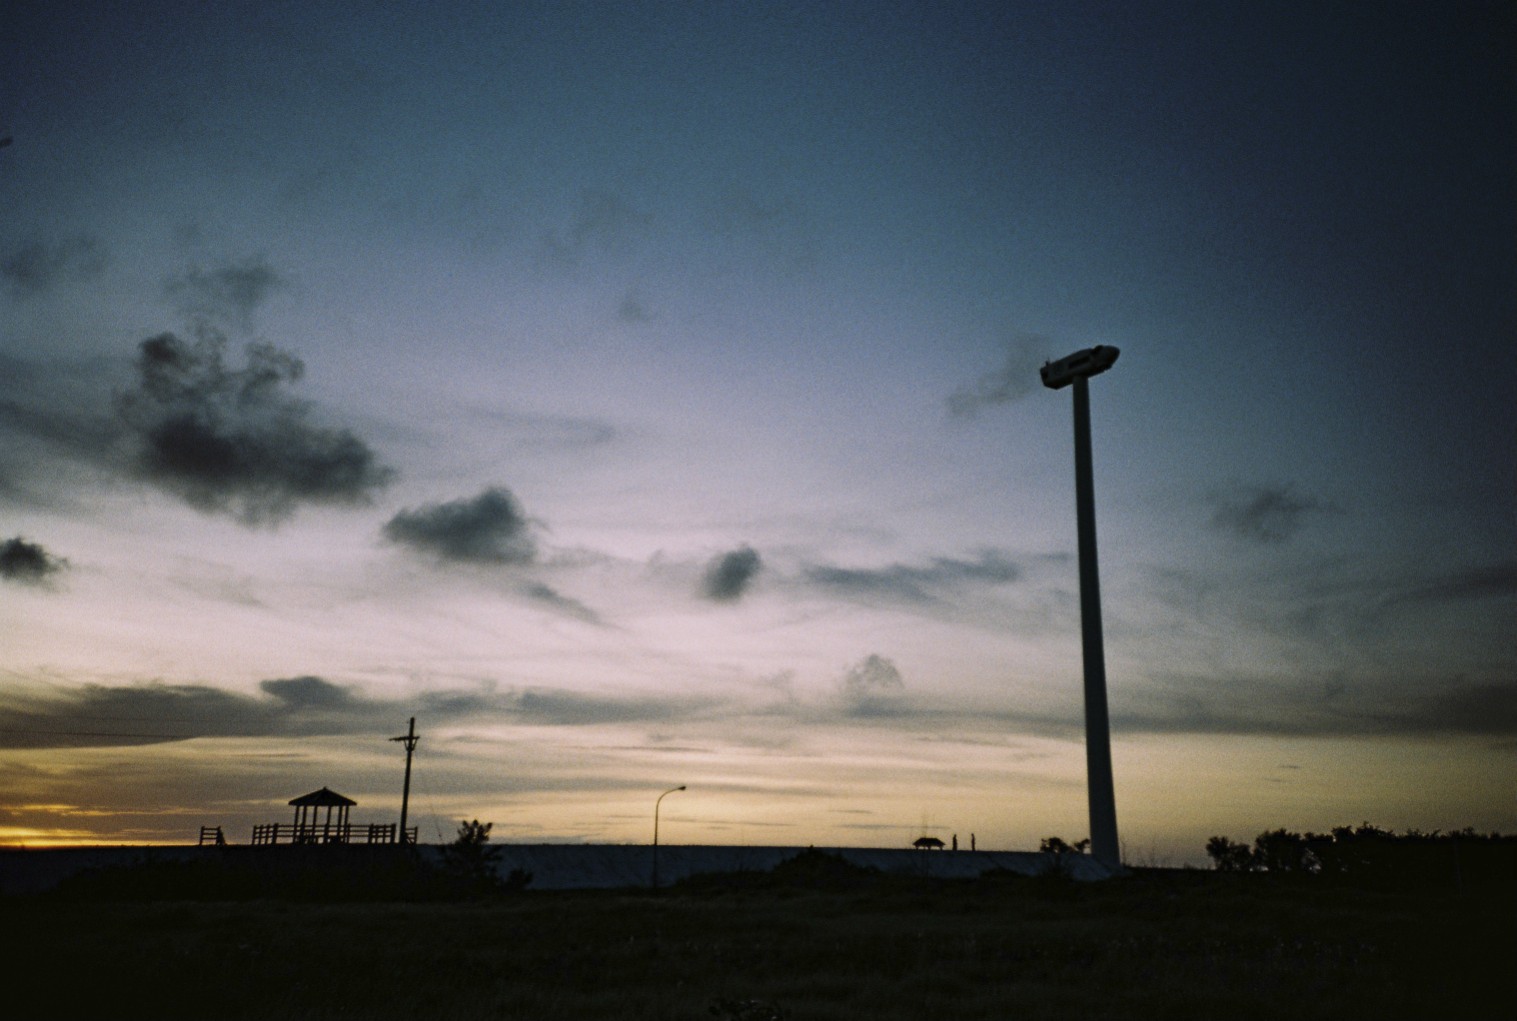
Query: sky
point(646, 394)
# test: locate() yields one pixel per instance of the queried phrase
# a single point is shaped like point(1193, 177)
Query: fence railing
point(346, 833)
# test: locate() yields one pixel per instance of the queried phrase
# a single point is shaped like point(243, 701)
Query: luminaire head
point(1080, 365)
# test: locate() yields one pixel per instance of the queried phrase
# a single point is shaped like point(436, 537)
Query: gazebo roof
point(323, 797)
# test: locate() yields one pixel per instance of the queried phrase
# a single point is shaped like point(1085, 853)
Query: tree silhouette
point(471, 861)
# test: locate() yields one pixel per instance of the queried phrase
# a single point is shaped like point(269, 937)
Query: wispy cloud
point(28, 563)
point(1493, 582)
point(226, 294)
point(548, 596)
point(1331, 706)
point(633, 309)
point(731, 574)
point(557, 707)
point(39, 265)
point(1264, 514)
point(236, 441)
point(486, 529)
point(921, 583)
point(602, 221)
point(1016, 378)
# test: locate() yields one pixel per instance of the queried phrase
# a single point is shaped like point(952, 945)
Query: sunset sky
point(644, 394)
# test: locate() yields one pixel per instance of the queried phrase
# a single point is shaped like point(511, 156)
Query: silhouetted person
point(955, 841)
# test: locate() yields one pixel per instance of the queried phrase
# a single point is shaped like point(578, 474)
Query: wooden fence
point(347, 833)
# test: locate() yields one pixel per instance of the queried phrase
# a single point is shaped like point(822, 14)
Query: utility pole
point(410, 737)
point(1077, 369)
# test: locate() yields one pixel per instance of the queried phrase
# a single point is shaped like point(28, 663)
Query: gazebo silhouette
point(308, 808)
point(313, 826)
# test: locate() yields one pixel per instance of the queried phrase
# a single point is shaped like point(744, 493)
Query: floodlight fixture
point(1081, 365)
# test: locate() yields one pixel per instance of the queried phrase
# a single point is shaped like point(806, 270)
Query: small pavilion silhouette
point(312, 826)
point(309, 806)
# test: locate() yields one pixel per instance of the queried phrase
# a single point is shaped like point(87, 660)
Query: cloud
point(603, 221)
point(487, 529)
point(306, 706)
point(228, 294)
point(633, 309)
point(550, 597)
point(57, 428)
point(872, 687)
point(1263, 514)
point(39, 266)
point(1418, 706)
point(729, 575)
point(553, 707)
point(917, 583)
point(1015, 379)
point(27, 563)
point(1494, 582)
point(307, 692)
point(234, 440)
point(101, 716)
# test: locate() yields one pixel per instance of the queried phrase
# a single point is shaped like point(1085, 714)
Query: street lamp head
point(1080, 365)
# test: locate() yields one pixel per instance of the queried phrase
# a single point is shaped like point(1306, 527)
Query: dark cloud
point(1264, 514)
point(872, 687)
point(728, 576)
point(27, 563)
point(924, 583)
point(234, 440)
point(39, 265)
point(228, 294)
point(103, 716)
point(1016, 378)
point(307, 692)
point(100, 716)
point(487, 529)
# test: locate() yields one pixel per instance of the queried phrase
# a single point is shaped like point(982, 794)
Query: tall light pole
point(410, 737)
point(660, 800)
point(1077, 369)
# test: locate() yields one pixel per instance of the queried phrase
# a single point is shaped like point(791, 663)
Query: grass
point(1172, 945)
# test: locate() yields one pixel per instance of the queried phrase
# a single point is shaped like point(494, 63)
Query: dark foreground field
point(1172, 945)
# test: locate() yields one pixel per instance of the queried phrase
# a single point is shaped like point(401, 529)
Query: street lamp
point(660, 800)
point(1077, 369)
